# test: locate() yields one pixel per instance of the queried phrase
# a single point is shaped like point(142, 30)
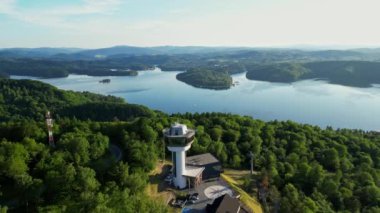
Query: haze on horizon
point(102, 23)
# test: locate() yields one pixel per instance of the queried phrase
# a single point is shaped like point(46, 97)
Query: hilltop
point(302, 167)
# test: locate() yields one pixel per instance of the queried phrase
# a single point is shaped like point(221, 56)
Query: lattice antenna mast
point(49, 123)
point(250, 154)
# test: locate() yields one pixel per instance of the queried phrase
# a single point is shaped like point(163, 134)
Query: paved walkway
point(208, 191)
point(216, 191)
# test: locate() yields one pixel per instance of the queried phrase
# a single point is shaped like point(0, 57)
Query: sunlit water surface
point(310, 101)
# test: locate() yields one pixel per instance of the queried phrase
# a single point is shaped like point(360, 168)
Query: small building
point(212, 166)
point(194, 175)
point(225, 204)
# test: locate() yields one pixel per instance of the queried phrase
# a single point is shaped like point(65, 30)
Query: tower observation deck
point(178, 135)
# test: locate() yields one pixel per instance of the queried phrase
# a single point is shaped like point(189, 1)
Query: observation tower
point(179, 139)
point(49, 124)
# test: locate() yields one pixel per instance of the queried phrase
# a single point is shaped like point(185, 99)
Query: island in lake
point(206, 78)
point(105, 81)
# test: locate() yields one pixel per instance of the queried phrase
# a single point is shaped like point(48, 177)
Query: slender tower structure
point(179, 139)
point(250, 154)
point(49, 124)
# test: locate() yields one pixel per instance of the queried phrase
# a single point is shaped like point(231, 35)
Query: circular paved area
point(215, 191)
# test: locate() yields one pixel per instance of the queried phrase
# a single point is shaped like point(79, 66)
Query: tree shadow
point(158, 179)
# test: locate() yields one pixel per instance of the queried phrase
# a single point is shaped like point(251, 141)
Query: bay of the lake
point(310, 101)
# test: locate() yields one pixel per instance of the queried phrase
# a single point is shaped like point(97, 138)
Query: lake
point(310, 101)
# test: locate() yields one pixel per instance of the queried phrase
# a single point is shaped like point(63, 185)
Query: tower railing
point(179, 140)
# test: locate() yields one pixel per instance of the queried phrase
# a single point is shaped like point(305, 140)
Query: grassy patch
point(237, 175)
point(245, 198)
point(156, 187)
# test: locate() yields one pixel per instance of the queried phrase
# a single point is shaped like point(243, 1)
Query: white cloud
point(345, 22)
point(253, 23)
point(58, 17)
point(6, 6)
point(88, 7)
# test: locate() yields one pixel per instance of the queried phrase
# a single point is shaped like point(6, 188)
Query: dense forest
point(31, 99)
point(350, 73)
point(305, 168)
point(205, 78)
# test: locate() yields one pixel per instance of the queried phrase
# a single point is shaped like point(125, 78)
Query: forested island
point(306, 168)
point(205, 78)
point(281, 72)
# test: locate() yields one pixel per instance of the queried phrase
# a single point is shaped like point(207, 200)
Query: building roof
point(178, 129)
point(224, 204)
point(201, 160)
point(192, 171)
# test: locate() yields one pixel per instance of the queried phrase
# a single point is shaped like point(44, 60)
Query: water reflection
point(310, 101)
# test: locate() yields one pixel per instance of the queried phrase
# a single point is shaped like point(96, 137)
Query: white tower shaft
point(179, 164)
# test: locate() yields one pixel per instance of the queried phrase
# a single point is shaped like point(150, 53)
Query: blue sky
point(101, 23)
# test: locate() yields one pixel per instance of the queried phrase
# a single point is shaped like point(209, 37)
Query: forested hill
point(350, 73)
point(53, 62)
point(3, 75)
point(302, 168)
point(358, 67)
point(32, 99)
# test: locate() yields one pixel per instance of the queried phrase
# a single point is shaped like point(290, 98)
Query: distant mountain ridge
point(125, 51)
point(115, 50)
point(36, 52)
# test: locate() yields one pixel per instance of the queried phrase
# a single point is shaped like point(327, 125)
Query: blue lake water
point(313, 102)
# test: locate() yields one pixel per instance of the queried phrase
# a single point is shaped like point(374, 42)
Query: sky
point(253, 23)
